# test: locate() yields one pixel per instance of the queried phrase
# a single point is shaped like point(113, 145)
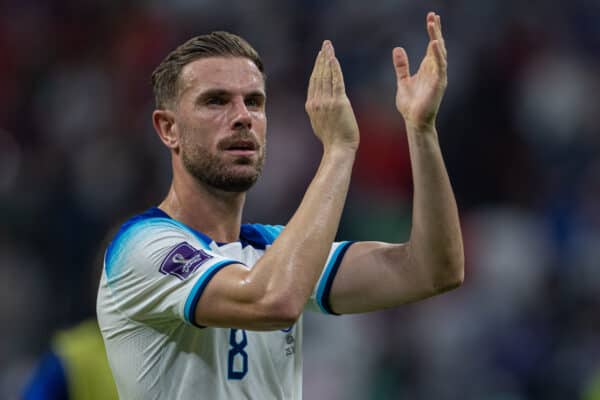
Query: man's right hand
point(327, 105)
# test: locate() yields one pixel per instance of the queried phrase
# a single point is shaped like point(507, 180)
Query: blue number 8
point(237, 348)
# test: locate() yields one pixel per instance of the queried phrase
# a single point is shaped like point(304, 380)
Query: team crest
point(183, 261)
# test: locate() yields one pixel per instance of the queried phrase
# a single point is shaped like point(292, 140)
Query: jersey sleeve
point(157, 269)
point(265, 235)
point(319, 299)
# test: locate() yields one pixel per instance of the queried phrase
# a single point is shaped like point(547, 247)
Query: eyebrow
point(224, 93)
point(256, 93)
point(211, 93)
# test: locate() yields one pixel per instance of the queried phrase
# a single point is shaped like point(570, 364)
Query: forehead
point(234, 74)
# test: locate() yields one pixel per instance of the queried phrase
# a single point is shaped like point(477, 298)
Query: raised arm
point(376, 275)
point(273, 293)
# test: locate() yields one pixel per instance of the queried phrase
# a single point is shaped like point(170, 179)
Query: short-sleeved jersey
point(155, 270)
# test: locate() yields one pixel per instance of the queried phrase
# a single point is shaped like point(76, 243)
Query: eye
point(253, 102)
point(215, 100)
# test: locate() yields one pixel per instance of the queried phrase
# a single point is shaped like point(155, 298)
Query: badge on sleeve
point(183, 261)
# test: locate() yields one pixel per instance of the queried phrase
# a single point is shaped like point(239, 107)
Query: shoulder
point(147, 235)
point(153, 221)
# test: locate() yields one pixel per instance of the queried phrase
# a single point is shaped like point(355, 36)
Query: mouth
point(242, 147)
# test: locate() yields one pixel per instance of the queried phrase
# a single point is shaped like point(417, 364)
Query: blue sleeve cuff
point(198, 289)
point(326, 282)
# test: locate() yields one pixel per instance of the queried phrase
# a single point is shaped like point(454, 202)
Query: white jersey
point(155, 271)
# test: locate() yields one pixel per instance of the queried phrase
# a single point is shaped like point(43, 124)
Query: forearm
point(289, 270)
point(435, 244)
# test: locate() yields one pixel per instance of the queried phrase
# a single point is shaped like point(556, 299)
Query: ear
point(164, 125)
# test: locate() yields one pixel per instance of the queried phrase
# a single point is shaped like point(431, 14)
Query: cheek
point(206, 119)
point(194, 138)
point(210, 127)
point(260, 125)
point(217, 119)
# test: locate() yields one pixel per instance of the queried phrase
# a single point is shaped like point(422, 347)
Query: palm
point(418, 97)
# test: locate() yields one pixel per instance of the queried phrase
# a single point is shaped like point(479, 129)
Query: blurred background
point(519, 128)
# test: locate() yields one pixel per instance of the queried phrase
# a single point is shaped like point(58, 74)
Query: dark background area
point(519, 132)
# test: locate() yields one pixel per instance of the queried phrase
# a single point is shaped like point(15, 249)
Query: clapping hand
point(418, 97)
point(327, 104)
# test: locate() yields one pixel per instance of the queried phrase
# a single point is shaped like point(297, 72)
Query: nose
point(241, 116)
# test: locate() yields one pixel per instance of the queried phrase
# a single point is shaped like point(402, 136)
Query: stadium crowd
point(519, 128)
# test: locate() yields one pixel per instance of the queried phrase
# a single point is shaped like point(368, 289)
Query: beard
point(237, 175)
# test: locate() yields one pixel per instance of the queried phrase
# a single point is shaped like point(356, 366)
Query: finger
point(439, 35)
point(311, 80)
point(312, 83)
point(434, 31)
point(320, 71)
point(401, 66)
point(433, 25)
point(317, 73)
point(430, 25)
point(327, 69)
point(440, 58)
point(339, 87)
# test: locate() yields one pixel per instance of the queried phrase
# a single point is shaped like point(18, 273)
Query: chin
point(238, 179)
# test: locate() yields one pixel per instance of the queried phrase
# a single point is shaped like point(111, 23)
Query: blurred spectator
point(519, 132)
point(76, 368)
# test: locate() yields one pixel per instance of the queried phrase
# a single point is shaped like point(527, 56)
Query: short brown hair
point(165, 78)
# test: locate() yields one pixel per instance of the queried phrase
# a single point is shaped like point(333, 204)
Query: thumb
point(401, 66)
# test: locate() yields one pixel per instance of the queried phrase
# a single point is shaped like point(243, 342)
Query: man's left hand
point(418, 97)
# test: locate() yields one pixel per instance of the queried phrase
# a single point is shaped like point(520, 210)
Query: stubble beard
point(225, 175)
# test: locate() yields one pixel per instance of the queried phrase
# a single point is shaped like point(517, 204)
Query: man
point(192, 303)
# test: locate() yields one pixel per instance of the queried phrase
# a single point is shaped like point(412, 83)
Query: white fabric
point(146, 319)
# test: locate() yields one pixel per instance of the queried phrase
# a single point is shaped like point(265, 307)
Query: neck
point(211, 211)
